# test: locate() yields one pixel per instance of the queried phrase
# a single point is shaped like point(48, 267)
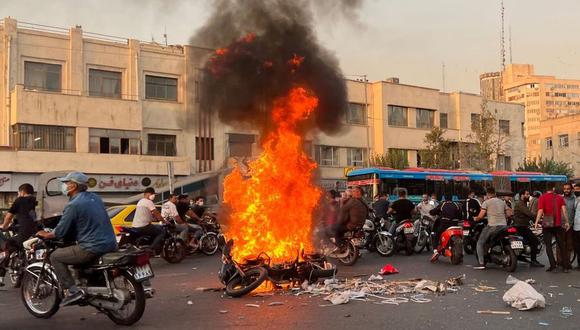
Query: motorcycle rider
point(381, 206)
point(472, 206)
point(449, 213)
point(169, 212)
point(84, 218)
point(352, 215)
point(145, 213)
point(184, 210)
point(522, 218)
point(497, 213)
point(424, 207)
point(23, 211)
point(402, 208)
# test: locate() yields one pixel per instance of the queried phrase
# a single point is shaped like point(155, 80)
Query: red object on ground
point(388, 270)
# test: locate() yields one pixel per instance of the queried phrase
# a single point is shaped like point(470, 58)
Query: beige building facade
point(560, 140)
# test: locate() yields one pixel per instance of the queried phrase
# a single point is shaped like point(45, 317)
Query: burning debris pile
point(270, 74)
point(379, 291)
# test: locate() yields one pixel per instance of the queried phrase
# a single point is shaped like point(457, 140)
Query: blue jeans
point(486, 233)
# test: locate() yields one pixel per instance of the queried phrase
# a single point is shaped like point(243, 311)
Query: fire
point(271, 210)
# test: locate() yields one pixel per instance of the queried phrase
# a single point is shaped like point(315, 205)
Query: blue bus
point(418, 181)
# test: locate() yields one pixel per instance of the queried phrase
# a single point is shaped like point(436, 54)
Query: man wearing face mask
point(522, 217)
point(198, 209)
point(85, 219)
point(145, 213)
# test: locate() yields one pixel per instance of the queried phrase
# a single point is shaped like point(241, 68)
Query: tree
point(438, 151)
point(548, 166)
point(487, 142)
point(394, 158)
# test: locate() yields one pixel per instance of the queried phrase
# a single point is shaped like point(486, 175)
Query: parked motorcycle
point(172, 248)
point(503, 248)
point(242, 278)
point(112, 284)
point(451, 244)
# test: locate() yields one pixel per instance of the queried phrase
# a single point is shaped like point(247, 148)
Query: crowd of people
point(557, 214)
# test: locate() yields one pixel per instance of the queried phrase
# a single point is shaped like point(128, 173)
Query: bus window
point(435, 187)
point(448, 189)
point(478, 186)
point(461, 189)
point(415, 187)
point(388, 185)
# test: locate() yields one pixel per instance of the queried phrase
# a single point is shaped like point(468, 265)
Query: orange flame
point(271, 211)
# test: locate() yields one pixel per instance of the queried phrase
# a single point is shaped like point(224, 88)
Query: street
point(181, 303)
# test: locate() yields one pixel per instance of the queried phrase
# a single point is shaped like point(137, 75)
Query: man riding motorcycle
point(472, 207)
point(522, 218)
point(449, 213)
point(402, 208)
point(352, 216)
point(425, 207)
point(84, 219)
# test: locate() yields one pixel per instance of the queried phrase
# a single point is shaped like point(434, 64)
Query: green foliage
point(548, 166)
point(438, 151)
point(394, 158)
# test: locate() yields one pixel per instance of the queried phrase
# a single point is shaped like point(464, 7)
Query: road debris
point(543, 323)
point(574, 286)
point(566, 312)
point(189, 302)
point(484, 288)
point(276, 303)
point(253, 305)
point(493, 312)
point(375, 278)
point(388, 269)
point(511, 280)
point(524, 297)
point(223, 312)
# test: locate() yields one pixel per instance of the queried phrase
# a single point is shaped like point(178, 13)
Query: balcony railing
point(75, 92)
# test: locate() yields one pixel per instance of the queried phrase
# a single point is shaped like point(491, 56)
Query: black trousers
point(576, 239)
point(439, 227)
point(339, 231)
point(155, 231)
point(530, 239)
point(558, 233)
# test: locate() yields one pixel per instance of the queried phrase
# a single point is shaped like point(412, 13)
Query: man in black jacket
point(449, 213)
point(522, 217)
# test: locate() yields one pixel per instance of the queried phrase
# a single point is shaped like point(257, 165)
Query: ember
point(271, 211)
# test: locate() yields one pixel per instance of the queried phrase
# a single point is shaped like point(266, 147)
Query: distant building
point(560, 140)
point(490, 86)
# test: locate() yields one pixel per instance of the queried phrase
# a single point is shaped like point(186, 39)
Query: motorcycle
point(471, 234)
point(172, 248)
point(243, 278)
point(405, 238)
point(503, 248)
point(376, 237)
point(209, 242)
point(112, 284)
point(16, 262)
point(423, 229)
point(451, 244)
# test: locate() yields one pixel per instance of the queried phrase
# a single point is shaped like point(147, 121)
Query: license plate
point(466, 233)
point(40, 254)
point(517, 244)
point(143, 272)
point(409, 230)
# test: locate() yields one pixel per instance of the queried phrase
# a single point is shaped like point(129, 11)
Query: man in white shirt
point(169, 212)
point(145, 213)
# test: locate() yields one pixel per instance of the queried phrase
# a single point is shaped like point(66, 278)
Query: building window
point(204, 148)
point(44, 138)
point(161, 145)
point(327, 155)
point(241, 145)
point(504, 163)
point(523, 126)
point(103, 141)
point(424, 118)
point(42, 76)
point(356, 157)
point(548, 143)
point(104, 83)
point(563, 140)
point(504, 127)
point(356, 114)
point(475, 121)
point(397, 115)
point(443, 120)
point(160, 88)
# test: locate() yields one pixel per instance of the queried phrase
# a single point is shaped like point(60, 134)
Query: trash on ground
point(524, 297)
point(189, 302)
point(253, 305)
point(511, 280)
point(493, 312)
point(484, 288)
point(389, 269)
point(543, 323)
point(276, 303)
point(223, 312)
point(566, 312)
point(375, 278)
point(574, 286)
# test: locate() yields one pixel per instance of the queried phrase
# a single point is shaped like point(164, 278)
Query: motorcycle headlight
point(382, 222)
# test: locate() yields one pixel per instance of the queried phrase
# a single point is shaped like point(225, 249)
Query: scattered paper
point(189, 302)
point(276, 303)
point(524, 297)
point(253, 305)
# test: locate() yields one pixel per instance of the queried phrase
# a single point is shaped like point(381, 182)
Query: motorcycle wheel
point(409, 247)
point(421, 242)
point(174, 251)
point(512, 262)
point(126, 315)
point(47, 301)
point(239, 286)
point(457, 252)
point(469, 248)
point(385, 245)
point(352, 255)
point(209, 244)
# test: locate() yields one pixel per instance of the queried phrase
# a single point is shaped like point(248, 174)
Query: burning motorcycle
point(172, 249)
point(113, 284)
point(243, 278)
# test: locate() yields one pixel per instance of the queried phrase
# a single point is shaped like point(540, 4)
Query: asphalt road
point(181, 304)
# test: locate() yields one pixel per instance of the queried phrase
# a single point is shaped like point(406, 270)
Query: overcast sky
point(409, 39)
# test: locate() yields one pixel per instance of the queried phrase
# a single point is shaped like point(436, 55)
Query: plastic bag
point(524, 297)
point(388, 269)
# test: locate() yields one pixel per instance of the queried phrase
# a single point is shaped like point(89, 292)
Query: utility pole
point(510, 43)
point(502, 36)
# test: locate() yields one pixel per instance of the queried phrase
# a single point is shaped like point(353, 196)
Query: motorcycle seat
point(455, 228)
point(131, 230)
point(499, 232)
point(115, 257)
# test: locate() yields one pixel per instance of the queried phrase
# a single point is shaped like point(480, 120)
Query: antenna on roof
point(510, 43)
point(165, 35)
point(443, 75)
point(502, 36)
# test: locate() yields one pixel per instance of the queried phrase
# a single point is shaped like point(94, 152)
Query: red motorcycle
point(451, 245)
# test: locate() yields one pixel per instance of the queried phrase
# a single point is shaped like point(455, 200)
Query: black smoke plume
point(265, 48)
